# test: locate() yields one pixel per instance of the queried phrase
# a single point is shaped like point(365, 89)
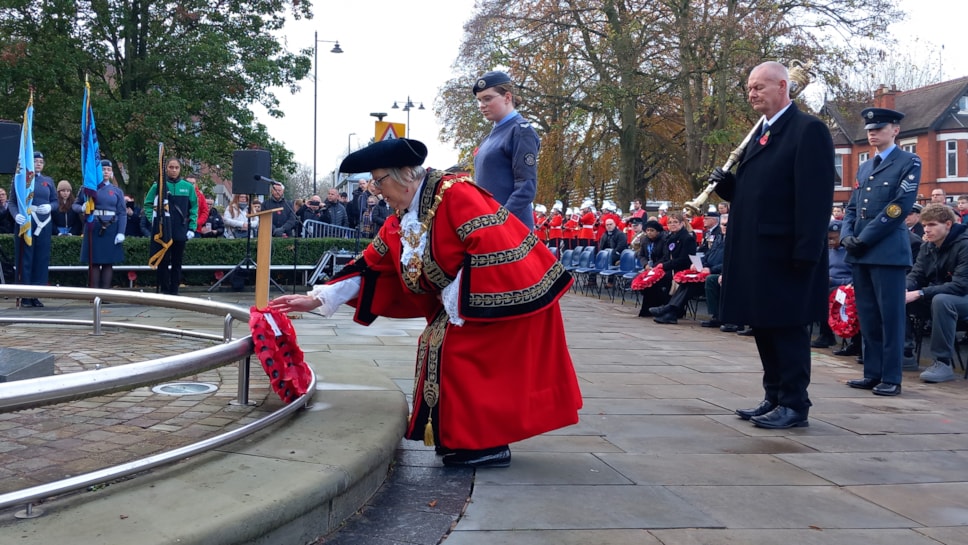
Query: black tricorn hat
point(488, 80)
point(396, 153)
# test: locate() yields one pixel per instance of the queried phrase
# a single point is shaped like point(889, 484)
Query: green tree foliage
point(180, 72)
point(633, 96)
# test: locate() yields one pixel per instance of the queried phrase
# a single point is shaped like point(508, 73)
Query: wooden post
point(263, 259)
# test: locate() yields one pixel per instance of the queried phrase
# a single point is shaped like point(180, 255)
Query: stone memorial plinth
point(22, 364)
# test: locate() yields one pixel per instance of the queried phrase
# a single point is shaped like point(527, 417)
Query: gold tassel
point(429, 432)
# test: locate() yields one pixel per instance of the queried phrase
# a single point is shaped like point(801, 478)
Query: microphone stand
point(295, 244)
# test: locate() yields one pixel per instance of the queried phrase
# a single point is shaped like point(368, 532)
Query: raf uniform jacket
point(882, 199)
point(775, 268)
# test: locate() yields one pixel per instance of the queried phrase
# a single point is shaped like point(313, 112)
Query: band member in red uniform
point(554, 226)
point(571, 228)
point(541, 223)
point(435, 259)
point(586, 237)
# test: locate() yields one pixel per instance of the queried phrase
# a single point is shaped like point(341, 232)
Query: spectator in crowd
point(651, 249)
point(837, 213)
point(33, 260)
point(335, 211)
point(839, 276)
point(471, 399)
point(354, 208)
point(200, 198)
point(937, 286)
point(879, 248)
point(711, 231)
point(6, 220)
point(66, 221)
point(176, 224)
point(237, 219)
point(215, 226)
point(613, 240)
point(913, 222)
point(506, 162)
point(133, 211)
point(104, 234)
point(344, 199)
point(313, 210)
point(775, 269)
point(962, 209)
point(636, 234)
point(678, 245)
point(373, 217)
point(722, 208)
point(938, 196)
point(284, 218)
point(712, 264)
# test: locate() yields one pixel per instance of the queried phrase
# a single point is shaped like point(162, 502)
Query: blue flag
point(23, 180)
point(90, 153)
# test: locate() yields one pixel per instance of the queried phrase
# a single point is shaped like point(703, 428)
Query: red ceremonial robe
point(505, 374)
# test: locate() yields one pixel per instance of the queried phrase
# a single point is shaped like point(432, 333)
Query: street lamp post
point(348, 149)
point(407, 106)
point(336, 49)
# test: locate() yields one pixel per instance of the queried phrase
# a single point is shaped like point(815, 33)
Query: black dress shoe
point(759, 410)
point(748, 332)
point(443, 451)
point(660, 310)
point(863, 383)
point(667, 318)
point(781, 418)
point(37, 303)
point(886, 389)
point(729, 328)
point(852, 349)
point(489, 457)
point(710, 323)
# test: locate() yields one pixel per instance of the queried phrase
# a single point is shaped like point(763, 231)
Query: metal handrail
point(59, 388)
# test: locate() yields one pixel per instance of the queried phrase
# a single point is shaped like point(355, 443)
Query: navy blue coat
point(33, 261)
point(878, 206)
point(775, 268)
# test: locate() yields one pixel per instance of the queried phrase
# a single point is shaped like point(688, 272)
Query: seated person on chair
point(614, 240)
point(678, 245)
point(712, 263)
point(937, 285)
point(839, 275)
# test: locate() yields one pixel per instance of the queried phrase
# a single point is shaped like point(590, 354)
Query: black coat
point(775, 267)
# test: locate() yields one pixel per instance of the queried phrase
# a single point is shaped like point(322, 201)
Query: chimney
point(884, 97)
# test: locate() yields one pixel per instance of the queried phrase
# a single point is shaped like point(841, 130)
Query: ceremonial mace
point(799, 79)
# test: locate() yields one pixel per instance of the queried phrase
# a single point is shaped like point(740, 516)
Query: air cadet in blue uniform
point(879, 249)
point(506, 163)
point(33, 260)
point(103, 229)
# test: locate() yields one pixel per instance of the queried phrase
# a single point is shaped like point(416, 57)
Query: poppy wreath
point(690, 276)
point(843, 316)
point(282, 359)
point(646, 279)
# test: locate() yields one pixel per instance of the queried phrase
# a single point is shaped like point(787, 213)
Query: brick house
point(935, 126)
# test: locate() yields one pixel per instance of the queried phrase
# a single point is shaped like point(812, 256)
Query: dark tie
point(877, 161)
point(766, 127)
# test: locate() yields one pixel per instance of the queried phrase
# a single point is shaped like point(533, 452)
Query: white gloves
point(191, 235)
point(43, 209)
point(20, 219)
point(119, 238)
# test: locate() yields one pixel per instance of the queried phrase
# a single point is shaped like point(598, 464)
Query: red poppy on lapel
point(765, 138)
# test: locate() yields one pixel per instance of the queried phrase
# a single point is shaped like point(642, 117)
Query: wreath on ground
point(690, 276)
point(843, 312)
point(282, 359)
point(646, 279)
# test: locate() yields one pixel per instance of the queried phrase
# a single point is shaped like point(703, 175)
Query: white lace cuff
point(333, 295)
point(449, 297)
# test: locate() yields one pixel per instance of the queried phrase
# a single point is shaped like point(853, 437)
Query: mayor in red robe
point(492, 364)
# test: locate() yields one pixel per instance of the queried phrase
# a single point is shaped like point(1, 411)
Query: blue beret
point(396, 153)
point(876, 118)
point(38, 155)
point(834, 226)
point(488, 80)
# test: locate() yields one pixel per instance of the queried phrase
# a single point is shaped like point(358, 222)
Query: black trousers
point(785, 355)
point(169, 270)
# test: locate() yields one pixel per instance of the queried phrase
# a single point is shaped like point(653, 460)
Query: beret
point(488, 80)
point(38, 155)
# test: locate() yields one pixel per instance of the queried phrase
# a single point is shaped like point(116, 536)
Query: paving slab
point(883, 467)
point(933, 504)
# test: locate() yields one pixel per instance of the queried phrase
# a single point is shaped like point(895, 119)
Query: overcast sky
point(395, 49)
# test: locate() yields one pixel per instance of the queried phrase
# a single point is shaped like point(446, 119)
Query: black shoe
point(781, 418)
point(36, 303)
point(748, 332)
point(852, 349)
point(667, 318)
point(729, 328)
point(443, 451)
point(489, 457)
point(759, 410)
point(886, 389)
point(860, 360)
point(863, 383)
point(710, 323)
point(822, 342)
point(660, 310)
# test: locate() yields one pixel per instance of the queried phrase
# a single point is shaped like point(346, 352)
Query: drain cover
point(184, 388)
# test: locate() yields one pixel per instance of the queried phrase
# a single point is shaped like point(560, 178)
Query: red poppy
point(843, 315)
point(646, 279)
point(685, 277)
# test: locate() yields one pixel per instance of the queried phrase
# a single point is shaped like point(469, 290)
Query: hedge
point(200, 251)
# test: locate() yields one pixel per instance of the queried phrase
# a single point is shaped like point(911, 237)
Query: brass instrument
point(799, 79)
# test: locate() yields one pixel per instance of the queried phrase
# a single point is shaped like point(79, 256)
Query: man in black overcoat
point(775, 267)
